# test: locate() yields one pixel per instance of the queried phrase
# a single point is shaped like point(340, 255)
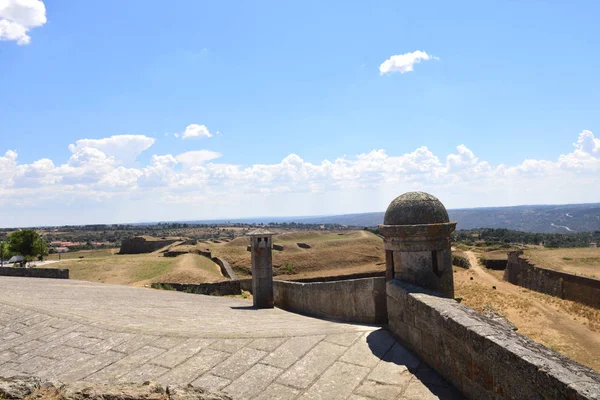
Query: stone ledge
point(482, 357)
point(51, 273)
point(30, 388)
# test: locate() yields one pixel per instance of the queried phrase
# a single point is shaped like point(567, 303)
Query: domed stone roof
point(415, 208)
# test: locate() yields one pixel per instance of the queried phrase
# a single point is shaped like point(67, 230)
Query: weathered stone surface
point(338, 382)
point(291, 351)
point(313, 364)
point(18, 388)
point(379, 390)
point(369, 349)
point(278, 392)
point(254, 381)
point(238, 363)
point(415, 208)
point(197, 365)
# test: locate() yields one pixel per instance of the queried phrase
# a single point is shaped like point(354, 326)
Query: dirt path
point(542, 318)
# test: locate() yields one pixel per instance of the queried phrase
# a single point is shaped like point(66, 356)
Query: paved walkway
point(65, 330)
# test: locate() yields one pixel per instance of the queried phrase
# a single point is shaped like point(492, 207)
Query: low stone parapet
point(353, 300)
point(482, 358)
point(52, 273)
point(226, 288)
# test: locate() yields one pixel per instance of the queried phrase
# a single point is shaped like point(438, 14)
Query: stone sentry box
point(416, 232)
point(261, 244)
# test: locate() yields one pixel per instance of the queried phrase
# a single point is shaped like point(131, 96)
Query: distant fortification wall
point(354, 300)
point(53, 273)
point(141, 245)
point(479, 356)
point(522, 272)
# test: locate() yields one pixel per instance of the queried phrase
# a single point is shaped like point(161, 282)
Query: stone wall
point(354, 300)
point(482, 358)
point(226, 269)
point(226, 288)
point(522, 272)
point(53, 273)
point(142, 245)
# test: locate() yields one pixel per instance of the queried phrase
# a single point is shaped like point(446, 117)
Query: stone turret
point(261, 244)
point(416, 231)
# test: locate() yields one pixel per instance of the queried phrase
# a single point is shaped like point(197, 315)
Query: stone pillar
point(417, 245)
point(261, 243)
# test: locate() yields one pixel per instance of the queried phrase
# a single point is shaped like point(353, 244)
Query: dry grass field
point(84, 254)
point(582, 261)
point(568, 327)
point(331, 253)
point(140, 269)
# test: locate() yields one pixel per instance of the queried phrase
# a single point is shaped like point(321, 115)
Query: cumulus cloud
point(404, 62)
point(95, 173)
point(198, 157)
point(196, 131)
point(122, 147)
point(17, 17)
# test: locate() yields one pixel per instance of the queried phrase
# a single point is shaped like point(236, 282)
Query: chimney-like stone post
point(261, 246)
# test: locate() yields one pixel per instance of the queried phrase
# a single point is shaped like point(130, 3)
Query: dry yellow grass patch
point(582, 261)
point(140, 269)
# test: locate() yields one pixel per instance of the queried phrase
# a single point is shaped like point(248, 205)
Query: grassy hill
point(330, 253)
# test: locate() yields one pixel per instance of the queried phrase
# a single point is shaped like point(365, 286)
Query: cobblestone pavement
point(64, 330)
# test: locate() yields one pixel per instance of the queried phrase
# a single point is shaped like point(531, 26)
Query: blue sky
point(501, 98)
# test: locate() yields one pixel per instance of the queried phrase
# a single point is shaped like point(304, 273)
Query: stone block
point(253, 381)
point(238, 363)
point(191, 369)
point(312, 365)
point(338, 382)
point(291, 351)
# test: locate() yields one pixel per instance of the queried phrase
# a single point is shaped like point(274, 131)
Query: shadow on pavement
point(417, 379)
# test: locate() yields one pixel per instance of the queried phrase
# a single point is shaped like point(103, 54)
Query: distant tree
point(28, 244)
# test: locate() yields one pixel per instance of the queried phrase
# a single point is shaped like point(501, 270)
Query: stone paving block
point(230, 345)
point(9, 369)
point(57, 367)
point(369, 349)
point(343, 339)
point(27, 337)
point(253, 381)
point(182, 352)
point(379, 391)
point(7, 355)
point(313, 364)
point(83, 342)
point(338, 382)
point(126, 364)
point(394, 368)
point(61, 334)
point(35, 364)
point(278, 392)
point(167, 342)
point(81, 370)
point(291, 351)
point(10, 335)
point(146, 372)
point(27, 347)
point(267, 344)
point(357, 397)
point(211, 382)
point(134, 343)
point(108, 342)
point(238, 363)
point(191, 369)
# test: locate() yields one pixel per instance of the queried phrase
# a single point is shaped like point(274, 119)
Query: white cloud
point(17, 17)
point(195, 158)
point(404, 62)
point(124, 148)
point(196, 131)
point(95, 174)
